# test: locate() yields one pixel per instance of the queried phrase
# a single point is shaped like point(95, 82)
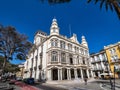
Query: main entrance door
point(64, 74)
point(55, 74)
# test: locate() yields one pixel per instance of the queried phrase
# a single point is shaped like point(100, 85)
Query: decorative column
point(88, 75)
point(81, 73)
point(58, 74)
point(49, 75)
point(59, 57)
point(61, 73)
point(91, 73)
point(68, 74)
point(75, 73)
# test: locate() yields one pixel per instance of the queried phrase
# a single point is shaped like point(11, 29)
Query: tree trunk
point(4, 64)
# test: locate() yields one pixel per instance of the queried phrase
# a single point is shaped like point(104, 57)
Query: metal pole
point(114, 77)
point(109, 76)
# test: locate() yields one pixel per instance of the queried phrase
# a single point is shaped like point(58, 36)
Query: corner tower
point(54, 29)
point(84, 42)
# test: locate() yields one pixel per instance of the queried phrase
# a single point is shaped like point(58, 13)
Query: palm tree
point(56, 1)
point(112, 4)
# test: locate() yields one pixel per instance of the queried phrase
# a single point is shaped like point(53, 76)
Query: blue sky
point(100, 28)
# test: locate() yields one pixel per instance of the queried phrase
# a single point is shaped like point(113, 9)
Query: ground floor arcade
point(68, 73)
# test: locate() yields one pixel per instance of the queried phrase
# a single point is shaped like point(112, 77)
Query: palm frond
point(111, 7)
point(88, 1)
point(106, 5)
point(96, 1)
point(101, 4)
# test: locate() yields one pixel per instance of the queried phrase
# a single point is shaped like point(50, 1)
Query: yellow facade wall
point(111, 64)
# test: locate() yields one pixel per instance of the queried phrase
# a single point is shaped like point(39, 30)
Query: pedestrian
point(85, 79)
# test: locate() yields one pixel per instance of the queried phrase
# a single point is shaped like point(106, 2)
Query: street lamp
point(114, 77)
point(106, 64)
point(115, 64)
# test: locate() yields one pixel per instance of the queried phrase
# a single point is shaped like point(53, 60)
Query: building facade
point(21, 72)
point(56, 57)
point(99, 63)
point(113, 55)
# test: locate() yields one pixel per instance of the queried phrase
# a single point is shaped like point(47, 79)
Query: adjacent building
point(21, 72)
point(99, 63)
point(56, 57)
point(113, 55)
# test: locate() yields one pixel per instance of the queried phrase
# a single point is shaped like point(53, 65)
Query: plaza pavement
point(93, 84)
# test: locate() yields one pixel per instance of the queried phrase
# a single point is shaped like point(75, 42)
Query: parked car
point(29, 80)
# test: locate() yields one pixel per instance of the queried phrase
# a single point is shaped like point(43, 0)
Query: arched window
point(54, 56)
point(54, 42)
point(69, 46)
point(63, 57)
point(71, 59)
point(86, 52)
point(82, 51)
point(62, 44)
point(83, 60)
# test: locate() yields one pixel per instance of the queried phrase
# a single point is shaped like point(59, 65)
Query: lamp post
point(115, 71)
point(106, 64)
point(114, 77)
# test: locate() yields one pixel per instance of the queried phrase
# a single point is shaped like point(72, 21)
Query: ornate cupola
point(54, 29)
point(84, 42)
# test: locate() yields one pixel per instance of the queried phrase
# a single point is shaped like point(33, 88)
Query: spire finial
point(54, 19)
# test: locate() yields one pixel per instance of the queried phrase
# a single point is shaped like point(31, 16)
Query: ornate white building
point(55, 57)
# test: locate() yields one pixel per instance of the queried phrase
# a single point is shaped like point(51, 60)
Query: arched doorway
point(64, 73)
point(72, 73)
point(85, 73)
point(54, 74)
point(78, 73)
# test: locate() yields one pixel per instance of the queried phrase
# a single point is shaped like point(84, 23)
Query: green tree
point(13, 45)
point(9, 67)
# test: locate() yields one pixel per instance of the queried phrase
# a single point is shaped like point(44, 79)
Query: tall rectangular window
point(54, 56)
point(62, 44)
point(69, 46)
point(63, 57)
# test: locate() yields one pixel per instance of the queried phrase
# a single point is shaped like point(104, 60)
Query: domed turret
point(84, 42)
point(54, 29)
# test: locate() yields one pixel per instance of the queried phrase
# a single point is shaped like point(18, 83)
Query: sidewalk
point(23, 86)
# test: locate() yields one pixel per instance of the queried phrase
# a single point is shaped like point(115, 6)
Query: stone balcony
point(115, 61)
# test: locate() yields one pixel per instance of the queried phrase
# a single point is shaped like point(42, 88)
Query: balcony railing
point(98, 60)
point(115, 61)
point(104, 60)
point(93, 62)
point(97, 69)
